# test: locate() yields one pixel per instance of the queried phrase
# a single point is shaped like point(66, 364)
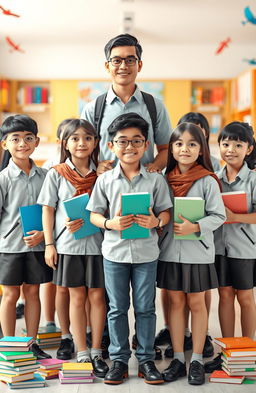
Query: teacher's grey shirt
point(106, 196)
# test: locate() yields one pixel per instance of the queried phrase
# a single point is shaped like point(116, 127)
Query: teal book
point(37, 382)
point(16, 341)
point(76, 208)
point(16, 355)
point(190, 208)
point(135, 203)
point(31, 218)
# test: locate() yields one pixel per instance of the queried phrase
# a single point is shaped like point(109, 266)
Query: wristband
point(159, 222)
point(49, 244)
point(105, 226)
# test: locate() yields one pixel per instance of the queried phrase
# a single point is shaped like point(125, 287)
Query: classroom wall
point(77, 61)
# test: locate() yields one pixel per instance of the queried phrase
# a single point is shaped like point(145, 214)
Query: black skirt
point(186, 277)
point(235, 272)
point(79, 270)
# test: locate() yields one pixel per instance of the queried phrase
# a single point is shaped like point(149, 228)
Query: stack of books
point(49, 368)
point(76, 373)
point(47, 336)
point(17, 363)
point(238, 359)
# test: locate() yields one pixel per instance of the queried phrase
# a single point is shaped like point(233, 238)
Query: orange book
point(221, 376)
point(235, 342)
point(239, 352)
point(235, 201)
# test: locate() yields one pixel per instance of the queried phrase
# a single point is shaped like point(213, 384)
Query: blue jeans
point(142, 278)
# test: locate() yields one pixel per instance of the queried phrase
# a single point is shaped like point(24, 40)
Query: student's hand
point(230, 215)
point(50, 256)
point(35, 238)
point(75, 225)
point(147, 221)
point(152, 167)
point(104, 166)
point(185, 228)
point(119, 223)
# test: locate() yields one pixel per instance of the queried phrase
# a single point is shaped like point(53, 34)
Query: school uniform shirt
point(238, 240)
point(195, 251)
point(55, 190)
point(106, 196)
point(17, 189)
point(115, 107)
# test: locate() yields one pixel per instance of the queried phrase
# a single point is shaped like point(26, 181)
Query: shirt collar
point(111, 96)
point(242, 174)
point(72, 166)
point(15, 171)
point(117, 171)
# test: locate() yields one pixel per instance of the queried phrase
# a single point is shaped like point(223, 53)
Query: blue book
point(38, 95)
point(37, 382)
point(31, 218)
point(76, 208)
point(135, 203)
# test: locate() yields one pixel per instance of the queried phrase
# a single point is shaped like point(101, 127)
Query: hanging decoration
point(250, 18)
point(8, 12)
point(13, 45)
point(251, 61)
point(222, 45)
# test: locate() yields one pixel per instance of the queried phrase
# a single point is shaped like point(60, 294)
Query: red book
point(44, 95)
point(221, 377)
point(236, 201)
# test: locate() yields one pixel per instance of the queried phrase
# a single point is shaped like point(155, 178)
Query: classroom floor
point(135, 384)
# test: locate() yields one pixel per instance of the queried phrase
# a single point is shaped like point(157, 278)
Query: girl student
point(77, 264)
point(186, 267)
point(236, 243)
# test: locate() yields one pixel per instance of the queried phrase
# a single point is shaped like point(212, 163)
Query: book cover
point(88, 379)
point(190, 208)
point(247, 372)
point(17, 362)
point(36, 381)
point(76, 208)
point(235, 342)
point(16, 355)
point(51, 363)
point(236, 352)
point(31, 218)
point(16, 378)
point(77, 366)
point(44, 95)
point(38, 95)
point(135, 203)
point(236, 201)
point(221, 376)
point(16, 341)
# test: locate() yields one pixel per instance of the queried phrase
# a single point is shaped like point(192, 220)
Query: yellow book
point(77, 366)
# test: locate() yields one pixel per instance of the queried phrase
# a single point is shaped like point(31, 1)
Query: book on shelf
point(236, 201)
point(4, 92)
point(222, 377)
point(235, 342)
point(35, 382)
point(16, 341)
point(11, 355)
point(76, 208)
point(31, 218)
point(190, 208)
point(135, 203)
point(217, 95)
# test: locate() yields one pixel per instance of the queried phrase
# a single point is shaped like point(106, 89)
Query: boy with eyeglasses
point(123, 63)
point(21, 257)
point(130, 262)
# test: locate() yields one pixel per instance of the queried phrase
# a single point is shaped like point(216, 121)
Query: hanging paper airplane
point(13, 45)
point(250, 61)
point(250, 18)
point(8, 12)
point(222, 45)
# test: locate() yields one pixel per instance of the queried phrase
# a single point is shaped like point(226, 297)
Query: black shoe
point(196, 373)
point(188, 344)
point(100, 368)
point(19, 311)
point(149, 372)
point(38, 353)
point(116, 373)
point(104, 346)
point(168, 353)
point(89, 339)
point(175, 370)
point(214, 364)
point(158, 351)
point(66, 349)
point(208, 350)
point(163, 337)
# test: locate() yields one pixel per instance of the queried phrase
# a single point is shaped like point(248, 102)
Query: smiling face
point(123, 74)
point(132, 153)
point(234, 152)
point(186, 150)
point(20, 144)
point(80, 144)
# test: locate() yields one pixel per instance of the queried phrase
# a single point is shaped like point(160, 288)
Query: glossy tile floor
point(135, 384)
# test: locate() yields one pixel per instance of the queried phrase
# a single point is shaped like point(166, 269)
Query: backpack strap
point(151, 106)
point(99, 110)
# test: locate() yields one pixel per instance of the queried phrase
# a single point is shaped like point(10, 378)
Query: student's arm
point(249, 218)
point(117, 223)
point(104, 166)
point(48, 224)
point(160, 160)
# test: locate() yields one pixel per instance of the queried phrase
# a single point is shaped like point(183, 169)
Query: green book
point(135, 203)
point(190, 208)
point(16, 355)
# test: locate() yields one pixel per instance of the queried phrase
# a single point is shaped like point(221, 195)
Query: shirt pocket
point(249, 236)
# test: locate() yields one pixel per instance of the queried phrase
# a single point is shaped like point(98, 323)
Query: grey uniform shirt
point(54, 191)
point(106, 195)
point(238, 240)
point(194, 251)
point(115, 107)
point(17, 189)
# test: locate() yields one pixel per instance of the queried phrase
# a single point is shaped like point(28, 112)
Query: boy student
point(130, 262)
point(21, 258)
point(123, 62)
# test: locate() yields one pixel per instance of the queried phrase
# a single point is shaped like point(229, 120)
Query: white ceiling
point(174, 22)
